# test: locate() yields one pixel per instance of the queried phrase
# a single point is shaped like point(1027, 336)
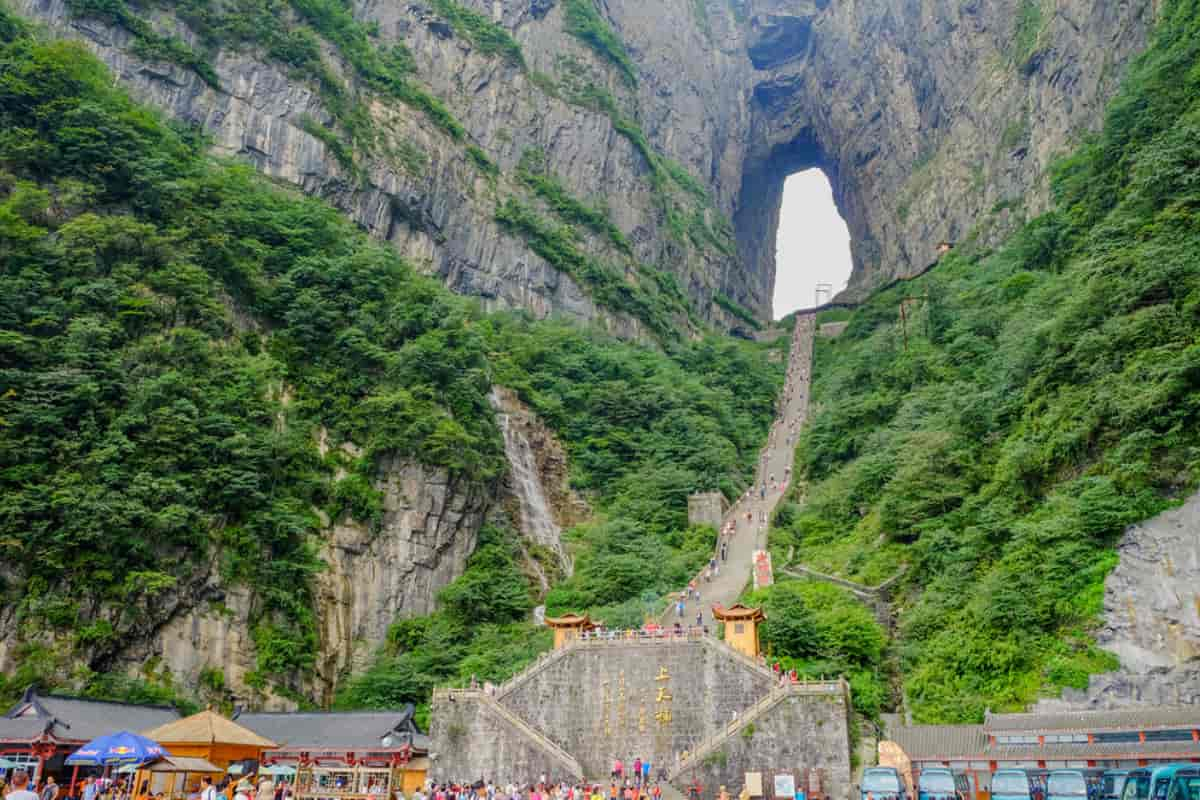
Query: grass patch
point(486, 36)
point(737, 310)
point(584, 22)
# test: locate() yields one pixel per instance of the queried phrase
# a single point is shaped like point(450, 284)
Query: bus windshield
point(1068, 783)
point(1010, 783)
point(940, 782)
point(1189, 787)
point(1137, 787)
point(880, 781)
point(1113, 784)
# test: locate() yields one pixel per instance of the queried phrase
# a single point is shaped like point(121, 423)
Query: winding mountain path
point(747, 514)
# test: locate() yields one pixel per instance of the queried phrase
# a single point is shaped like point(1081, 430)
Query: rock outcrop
point(1152, 616)
point(935, 120)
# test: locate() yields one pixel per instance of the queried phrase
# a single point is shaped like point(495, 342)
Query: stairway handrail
point(540, 739)
point(760, 707)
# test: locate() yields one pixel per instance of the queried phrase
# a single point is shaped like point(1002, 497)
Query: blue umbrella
point(117, 748)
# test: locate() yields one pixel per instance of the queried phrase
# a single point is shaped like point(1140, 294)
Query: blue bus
point(1150, 783)
point(1066, 784)
point(1112, 783)
point(939, 783)
point(1185, 784)
point(1012, 784)
point(882, 783)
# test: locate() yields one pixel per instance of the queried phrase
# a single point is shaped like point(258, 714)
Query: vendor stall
point(173, 777)
point(358, 782)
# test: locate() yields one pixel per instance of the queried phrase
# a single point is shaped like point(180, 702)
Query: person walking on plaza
point(50, 789)
point(20, 787)
point(637, 770)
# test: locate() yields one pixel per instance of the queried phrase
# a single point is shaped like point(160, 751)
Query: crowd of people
point(634, 781)
point(120, 787)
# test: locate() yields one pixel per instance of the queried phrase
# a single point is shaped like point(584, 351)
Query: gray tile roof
point(949, 741)
point(1129, 719)
point(339, 730)
point(81, 719)
point(25, 729)
point(1082, 750)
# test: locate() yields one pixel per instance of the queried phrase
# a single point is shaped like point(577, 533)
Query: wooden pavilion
point(741, 627)
point(568, 627)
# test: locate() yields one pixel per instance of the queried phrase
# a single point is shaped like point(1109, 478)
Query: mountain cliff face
point(675, 122)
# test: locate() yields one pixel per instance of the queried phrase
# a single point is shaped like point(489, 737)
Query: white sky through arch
point(813, 244)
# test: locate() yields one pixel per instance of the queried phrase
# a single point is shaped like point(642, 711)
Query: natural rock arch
point(934, 120)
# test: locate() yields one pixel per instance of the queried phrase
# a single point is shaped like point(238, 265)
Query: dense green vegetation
point(174, 331)
point(139, 413)
point(1048, 396)
point(821, 631)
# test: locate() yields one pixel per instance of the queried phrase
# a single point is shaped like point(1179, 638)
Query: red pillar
point(74, 777)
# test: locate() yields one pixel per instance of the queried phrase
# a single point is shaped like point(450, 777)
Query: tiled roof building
point(1077, 739)
point(40, 730)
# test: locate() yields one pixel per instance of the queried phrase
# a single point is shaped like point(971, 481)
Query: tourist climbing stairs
point(749, 514)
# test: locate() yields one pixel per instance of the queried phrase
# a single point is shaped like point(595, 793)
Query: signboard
point(785, 786)
point(754, 784)
point(763, 574)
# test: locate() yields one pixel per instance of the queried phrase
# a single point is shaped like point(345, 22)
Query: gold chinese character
point(663, 675)
point(663, 695)
point(663, 715)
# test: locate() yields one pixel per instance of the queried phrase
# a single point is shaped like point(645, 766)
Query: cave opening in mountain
point(812, 244)
point(792, 222)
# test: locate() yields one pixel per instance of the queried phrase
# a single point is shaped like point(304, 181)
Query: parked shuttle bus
point(882, 783)
point(1066, 784)
point(1012, 784)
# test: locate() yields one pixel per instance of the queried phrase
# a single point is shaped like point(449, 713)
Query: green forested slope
point(1048, 396)
point(175, 329)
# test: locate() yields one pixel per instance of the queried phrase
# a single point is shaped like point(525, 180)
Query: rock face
point(373, 576)
point(934, 119)
point(430, 526)
point(1152, 615)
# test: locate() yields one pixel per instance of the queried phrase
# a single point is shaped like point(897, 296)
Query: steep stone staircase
point(776, 459)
